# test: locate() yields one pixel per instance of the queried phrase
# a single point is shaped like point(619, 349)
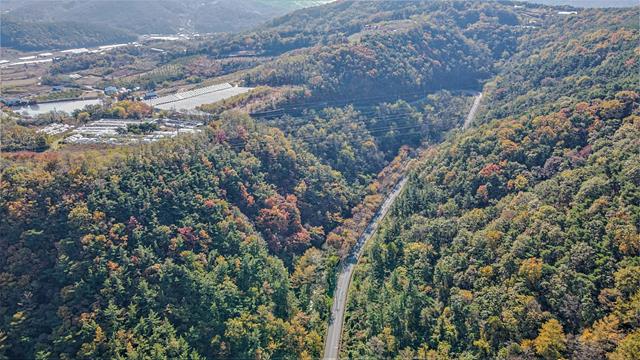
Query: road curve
point(334, 333)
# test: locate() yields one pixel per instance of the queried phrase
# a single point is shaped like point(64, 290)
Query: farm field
point(56, 106)
point(192, 99)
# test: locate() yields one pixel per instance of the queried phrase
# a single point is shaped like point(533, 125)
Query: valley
point(350, 179)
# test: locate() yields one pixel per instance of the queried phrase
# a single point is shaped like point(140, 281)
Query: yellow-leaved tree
point(551, 341)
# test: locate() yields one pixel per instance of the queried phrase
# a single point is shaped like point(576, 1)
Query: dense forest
point(519, 238)
point(97, 243)
point(359, 141)
point(161, 254)
point(516, 238)
point(374, 48)
point(345, 22)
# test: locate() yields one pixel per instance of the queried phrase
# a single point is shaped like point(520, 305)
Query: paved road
point(332, 342)
point(472, 113)
point(334, 333)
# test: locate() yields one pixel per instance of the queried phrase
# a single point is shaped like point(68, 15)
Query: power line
point(238, 145)
point(359, 116)
point(349, 101)
point(324, 103)
point(361, 119)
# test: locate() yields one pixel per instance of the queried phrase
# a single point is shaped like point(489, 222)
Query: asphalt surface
point(334, 333)
point(472, 113)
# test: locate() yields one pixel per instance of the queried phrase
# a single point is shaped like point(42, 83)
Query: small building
point(13, 102)
point(150, 95)
point(110, 90)
point(57, 88)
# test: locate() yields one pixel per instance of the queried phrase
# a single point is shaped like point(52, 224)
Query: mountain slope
point(519, 238)
point(375, 48)
point(516, 239)
point(161, 252)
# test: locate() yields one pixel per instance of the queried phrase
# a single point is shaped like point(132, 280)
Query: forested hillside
point(338, 22)
point(519, 239)
point(161, 254)
point(200, 245)
point(547, 75)
point(359, 141)
point(375, 65)
point(514, 239)
point(376, 48)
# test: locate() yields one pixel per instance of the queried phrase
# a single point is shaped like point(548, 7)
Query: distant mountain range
point(50, 24)
point(589, 3)
point(26, 24)
point(23, 35)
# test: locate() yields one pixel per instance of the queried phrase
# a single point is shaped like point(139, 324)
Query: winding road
point(336, 321)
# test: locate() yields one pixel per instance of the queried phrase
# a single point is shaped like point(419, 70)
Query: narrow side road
point(474, 110)
point(334, 333)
